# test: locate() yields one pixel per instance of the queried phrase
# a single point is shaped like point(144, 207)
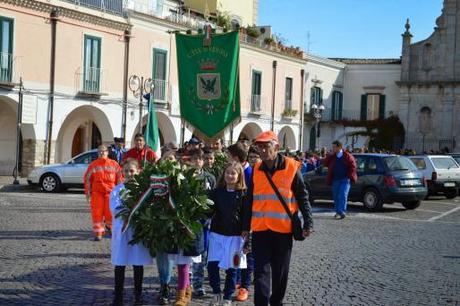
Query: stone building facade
point(430, 84)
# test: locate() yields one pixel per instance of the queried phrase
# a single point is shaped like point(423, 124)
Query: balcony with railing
point(347, 114)
point(6, 68)
point(256, 104)
point(89, 81)
point(167, 12)
point(269, 44)
point(107, 6)
point(160, 92)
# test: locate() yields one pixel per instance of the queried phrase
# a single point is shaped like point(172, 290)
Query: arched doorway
point(27, 140)
point(8, 114)
point(286, 138)
point(250, 131)
point(85, 128)
point(78, 142)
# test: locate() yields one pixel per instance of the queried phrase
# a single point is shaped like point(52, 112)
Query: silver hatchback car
point(58, 177)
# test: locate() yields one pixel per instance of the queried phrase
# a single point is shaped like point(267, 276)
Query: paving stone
point(48, 258)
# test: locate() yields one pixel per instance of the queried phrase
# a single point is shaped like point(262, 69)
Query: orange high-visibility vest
point(267, 211)
point(102, 175)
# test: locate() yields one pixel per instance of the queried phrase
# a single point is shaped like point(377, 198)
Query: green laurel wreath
point(157, 225)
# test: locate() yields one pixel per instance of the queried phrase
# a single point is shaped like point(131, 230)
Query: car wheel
point(411, 204)
point(372, 199)
point(50, 183)
point(450, 194)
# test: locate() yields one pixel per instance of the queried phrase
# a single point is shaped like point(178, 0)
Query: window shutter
point(382, 107)
point(312, 96)
point(340, 106)
point(334, 103)
point(320, 91)
point(363, 107)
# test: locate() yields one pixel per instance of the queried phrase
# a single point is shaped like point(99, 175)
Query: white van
point(441, 172)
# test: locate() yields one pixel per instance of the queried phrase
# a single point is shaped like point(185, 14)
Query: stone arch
point(165, 128)
point(250, 131)
point(87, 123)
point(286, 137)
point(8, 131)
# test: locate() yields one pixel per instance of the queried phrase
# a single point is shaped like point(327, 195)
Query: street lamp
point(139, 86)
point(317, 114)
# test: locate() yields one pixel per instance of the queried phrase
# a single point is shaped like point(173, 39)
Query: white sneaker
point(216, 299)
point(227, 303)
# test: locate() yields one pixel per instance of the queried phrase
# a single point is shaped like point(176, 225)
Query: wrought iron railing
point(255, 103)
point(89, 80)
point(6, 67)
point(160, 93)
point(109, 6)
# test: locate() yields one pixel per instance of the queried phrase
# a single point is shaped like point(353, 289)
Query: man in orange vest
point(268, 220)
point(100, 178)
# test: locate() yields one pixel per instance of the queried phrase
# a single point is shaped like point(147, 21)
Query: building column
point(446, 128)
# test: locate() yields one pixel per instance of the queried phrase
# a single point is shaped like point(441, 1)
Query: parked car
point(57, 177)
point(456, 156)
point(382, 178)
point(442, 173)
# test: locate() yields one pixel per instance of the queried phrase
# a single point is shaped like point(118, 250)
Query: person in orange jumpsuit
point(100, 178)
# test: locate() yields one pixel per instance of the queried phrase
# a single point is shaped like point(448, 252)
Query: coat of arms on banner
point(208, 86)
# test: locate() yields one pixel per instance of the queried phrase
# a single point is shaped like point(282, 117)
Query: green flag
point(208, 81)
point(152, 137)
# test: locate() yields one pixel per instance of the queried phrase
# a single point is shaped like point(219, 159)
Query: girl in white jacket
point(123, 253)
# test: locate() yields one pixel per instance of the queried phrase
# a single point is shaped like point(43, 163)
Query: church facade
point(429, 99)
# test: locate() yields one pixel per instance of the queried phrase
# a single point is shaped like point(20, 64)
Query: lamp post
point(139, 86)
point(317, 114)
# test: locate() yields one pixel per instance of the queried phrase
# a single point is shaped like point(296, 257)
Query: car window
point(418, 162)
point(360, 163)
point(444, 162)
point(372, 165)
point(400, 163)
point(457, 159)
point(86, 158)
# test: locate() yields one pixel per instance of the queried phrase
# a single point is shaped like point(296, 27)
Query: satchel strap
point(280, 197)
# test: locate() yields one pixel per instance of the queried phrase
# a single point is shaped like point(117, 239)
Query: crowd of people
point(257, 191)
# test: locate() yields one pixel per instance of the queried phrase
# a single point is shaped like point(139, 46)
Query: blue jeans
point(244, 276)
point(164, 266)
point(340, 189)
point(198, 272)
point(214, 280)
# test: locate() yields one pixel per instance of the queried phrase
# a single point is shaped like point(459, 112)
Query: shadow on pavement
point(71, 235)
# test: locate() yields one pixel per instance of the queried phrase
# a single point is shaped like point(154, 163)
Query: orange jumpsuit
point(100, 178)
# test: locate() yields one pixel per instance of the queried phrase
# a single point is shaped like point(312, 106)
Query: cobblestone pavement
point(395, 257)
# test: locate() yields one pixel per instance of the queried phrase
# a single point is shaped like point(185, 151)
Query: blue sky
point(350, 28)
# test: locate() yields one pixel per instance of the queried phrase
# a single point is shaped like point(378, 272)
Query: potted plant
point(289, 113)
point(269, 41)
point(252, 31)
point(223, 20)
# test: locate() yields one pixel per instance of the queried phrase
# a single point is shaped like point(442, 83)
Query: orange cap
point(266, 137)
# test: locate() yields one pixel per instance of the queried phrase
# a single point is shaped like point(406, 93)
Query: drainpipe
point(302, 75)
point(53, 21)
point(18, 133)
point(272, 122)
point(127, 36)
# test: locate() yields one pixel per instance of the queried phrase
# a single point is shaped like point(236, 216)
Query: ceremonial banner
point(208, 81)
